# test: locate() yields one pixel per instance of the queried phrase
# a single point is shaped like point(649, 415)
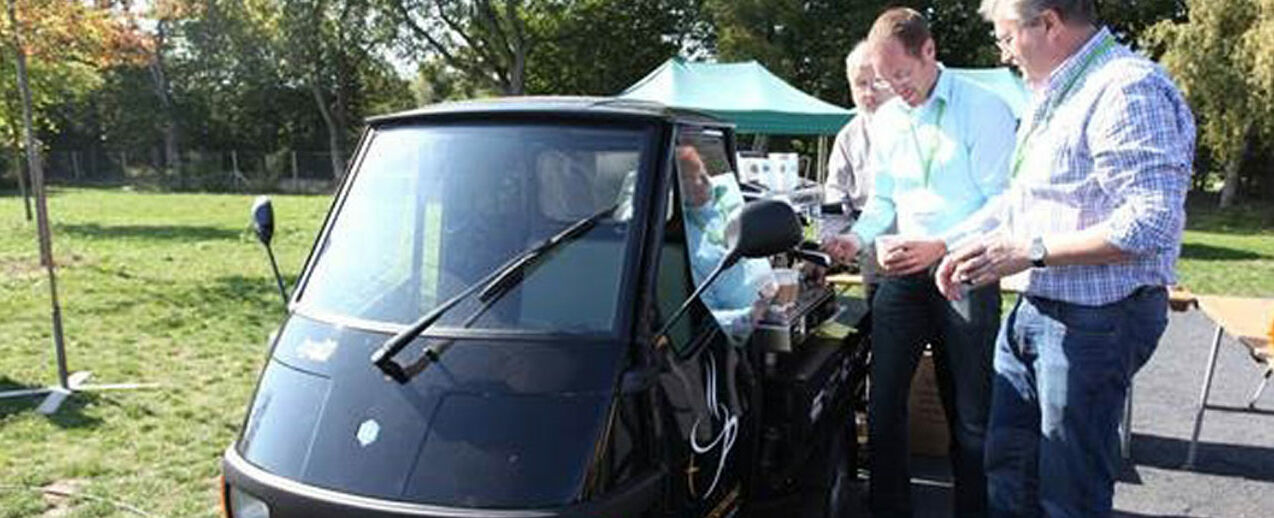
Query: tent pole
point(821, 166)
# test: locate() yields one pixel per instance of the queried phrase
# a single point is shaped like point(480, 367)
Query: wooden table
point(1248, 321)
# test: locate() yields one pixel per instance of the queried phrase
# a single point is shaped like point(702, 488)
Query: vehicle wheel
point(833, 492)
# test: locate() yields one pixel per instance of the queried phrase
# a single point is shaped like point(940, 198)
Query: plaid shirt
point(1114, 158)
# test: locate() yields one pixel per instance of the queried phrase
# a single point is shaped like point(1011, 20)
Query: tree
point(487, 40)
point(165, 14)
point(578, 51)
point(805, 42)
point(65, 44)
point(1129, 19)
point(1220, 57)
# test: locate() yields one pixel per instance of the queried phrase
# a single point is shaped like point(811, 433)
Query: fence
point(228, 171)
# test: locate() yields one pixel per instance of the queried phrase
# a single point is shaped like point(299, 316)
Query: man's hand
point(843, 248)
point(910, 256)
point(981, 264)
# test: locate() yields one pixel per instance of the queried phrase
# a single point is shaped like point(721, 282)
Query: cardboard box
point(926, 422)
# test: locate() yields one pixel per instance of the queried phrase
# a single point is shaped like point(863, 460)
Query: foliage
point(805, 42)
point(1221, 58)
point(802, 42)
point(1130, 18)
point(487, 40)
point(67, 43)
point(169, 78)
point(578, 51)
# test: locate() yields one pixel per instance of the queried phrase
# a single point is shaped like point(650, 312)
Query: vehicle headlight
point(244, 505)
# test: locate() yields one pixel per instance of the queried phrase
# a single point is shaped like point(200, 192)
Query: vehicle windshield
point(434, 209)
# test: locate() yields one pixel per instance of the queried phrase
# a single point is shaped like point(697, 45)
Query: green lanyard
point(927, 159)
point(1023, 141)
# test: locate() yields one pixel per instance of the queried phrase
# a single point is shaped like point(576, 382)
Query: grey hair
point(1070, 11)
point(856, 58)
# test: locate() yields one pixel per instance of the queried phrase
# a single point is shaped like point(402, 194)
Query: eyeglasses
point(880, 85)
point(1005, 42)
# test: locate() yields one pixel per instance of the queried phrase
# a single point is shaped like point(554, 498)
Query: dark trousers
point(1062, 372)
point(907, 313)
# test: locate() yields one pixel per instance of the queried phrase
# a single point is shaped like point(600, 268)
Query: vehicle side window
point(709, 198)
point(674, 285)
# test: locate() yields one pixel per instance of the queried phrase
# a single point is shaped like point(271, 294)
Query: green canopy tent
point(746, 94)
point(759, 102)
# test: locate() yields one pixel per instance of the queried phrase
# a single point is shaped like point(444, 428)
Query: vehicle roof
point(548, 107)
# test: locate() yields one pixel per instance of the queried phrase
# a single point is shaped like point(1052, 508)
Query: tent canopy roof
point(747, 94)
point(757, 101)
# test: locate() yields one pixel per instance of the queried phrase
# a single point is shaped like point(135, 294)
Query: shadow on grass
point(1226, 460)
point(69, 415)
point(1248, 217)
point(261, 292)
point(13, 192)
point(251, 301)
point(154, 232)
point(1218, 253)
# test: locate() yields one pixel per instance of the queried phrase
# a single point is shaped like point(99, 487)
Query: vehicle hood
point(493, 424)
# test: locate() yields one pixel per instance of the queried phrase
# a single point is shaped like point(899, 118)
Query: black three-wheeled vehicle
point(549, 307)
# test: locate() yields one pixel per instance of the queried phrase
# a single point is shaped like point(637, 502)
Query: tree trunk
point(37, 186)
point(172, 160)
point(1230, 190)
point(333, 137)
point(18, 169)
point(517, 76)
point(22, 183)
point(172, 155)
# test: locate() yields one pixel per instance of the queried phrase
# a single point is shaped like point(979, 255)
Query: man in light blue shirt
point(940, 151)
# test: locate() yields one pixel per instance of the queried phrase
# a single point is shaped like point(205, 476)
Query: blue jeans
point(1061, 374)
point(907, 313)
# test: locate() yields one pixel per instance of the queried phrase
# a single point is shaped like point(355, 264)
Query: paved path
point(1234, 476)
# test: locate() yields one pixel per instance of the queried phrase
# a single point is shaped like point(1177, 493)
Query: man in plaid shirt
point(1095, 211)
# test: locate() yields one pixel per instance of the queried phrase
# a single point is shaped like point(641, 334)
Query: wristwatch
point(1037, 252)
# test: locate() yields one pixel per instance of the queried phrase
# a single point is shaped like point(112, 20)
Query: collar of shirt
point(1069, 68)
point(941, 90)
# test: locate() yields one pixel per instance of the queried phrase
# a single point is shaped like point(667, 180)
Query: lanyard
point(1019, 151)
point(926, 159)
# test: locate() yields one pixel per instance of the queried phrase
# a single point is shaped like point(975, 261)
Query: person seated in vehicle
point(739, 298)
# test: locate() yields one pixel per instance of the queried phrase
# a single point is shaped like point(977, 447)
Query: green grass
point(156, 288)
point(173, 289)
point(1228, 252)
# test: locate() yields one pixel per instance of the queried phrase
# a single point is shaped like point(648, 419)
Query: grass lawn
point(173, 289)
point(158, 288)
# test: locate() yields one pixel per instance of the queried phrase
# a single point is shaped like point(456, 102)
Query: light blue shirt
point(731, 297)
point(964, 132)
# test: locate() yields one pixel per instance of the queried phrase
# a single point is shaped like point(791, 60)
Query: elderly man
point(847, 167)
point(939, 151)
point(1095, 213)
point(849, 179)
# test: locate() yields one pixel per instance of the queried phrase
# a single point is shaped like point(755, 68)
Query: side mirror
point(764, 228)
point(263, 219)
point(263, 224)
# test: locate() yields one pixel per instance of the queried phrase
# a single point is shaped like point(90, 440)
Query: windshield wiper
point(494, 286)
